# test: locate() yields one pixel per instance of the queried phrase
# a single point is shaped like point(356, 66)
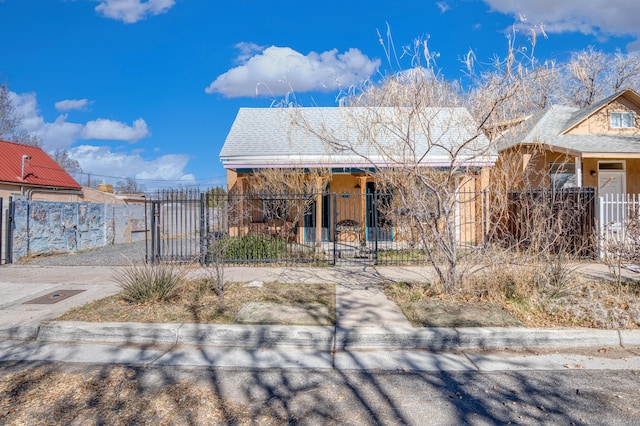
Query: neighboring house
point(352, 143)
point(596, 146)
point(28, 171)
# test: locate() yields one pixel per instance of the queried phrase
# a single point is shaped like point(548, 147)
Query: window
point(563, 175)
point(622, 120)
point(610, 165)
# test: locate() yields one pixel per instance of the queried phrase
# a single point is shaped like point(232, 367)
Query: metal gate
point(313, 229)
point(178, 228)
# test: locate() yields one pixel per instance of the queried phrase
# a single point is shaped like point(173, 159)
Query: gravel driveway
point(112, 255)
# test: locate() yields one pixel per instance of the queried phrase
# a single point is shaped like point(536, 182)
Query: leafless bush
point(621, 247)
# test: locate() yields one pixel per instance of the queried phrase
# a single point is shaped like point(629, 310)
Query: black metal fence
point(320, 229)
point(6, 234)
point(357, 228)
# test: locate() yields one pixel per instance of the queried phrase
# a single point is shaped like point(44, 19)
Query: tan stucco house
point(352, 143)
point(596, 146)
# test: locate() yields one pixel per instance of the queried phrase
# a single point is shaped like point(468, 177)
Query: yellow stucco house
point(352, 143)
point(597, 146)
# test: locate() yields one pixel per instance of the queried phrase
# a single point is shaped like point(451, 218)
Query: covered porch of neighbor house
point(557, 168)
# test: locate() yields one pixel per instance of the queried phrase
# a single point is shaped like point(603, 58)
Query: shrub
point(252, 247)
point(149, 283)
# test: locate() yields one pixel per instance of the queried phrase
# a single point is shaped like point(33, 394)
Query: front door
point(611, 183)
point(611, 188)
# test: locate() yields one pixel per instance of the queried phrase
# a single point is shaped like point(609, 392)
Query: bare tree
point(65, 161)
point(591, 75)
point(130, 186)
point(287, 194)
point(425, 140)
point(11, 121)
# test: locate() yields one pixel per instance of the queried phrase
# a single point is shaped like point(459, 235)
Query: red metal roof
point(39, 170)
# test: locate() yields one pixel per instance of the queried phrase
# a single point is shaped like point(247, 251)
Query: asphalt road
point(323, 397)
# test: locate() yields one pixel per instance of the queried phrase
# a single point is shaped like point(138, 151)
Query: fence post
point(601, 216)
point(1, 230)
point(334, 220)
point(203, 233)
point(9, 239)
point(155, 232)
point(375, 226)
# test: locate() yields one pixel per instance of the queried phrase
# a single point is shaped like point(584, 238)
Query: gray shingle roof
point(260, 137)
point(547, 127)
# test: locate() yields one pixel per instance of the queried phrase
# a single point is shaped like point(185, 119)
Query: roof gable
point(40, 169)
point(557, 127)
point(583, 114)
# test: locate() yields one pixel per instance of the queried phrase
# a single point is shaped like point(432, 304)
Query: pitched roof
point(586, 112)
point(549, 127)
point(40, 169)
point(312, 137)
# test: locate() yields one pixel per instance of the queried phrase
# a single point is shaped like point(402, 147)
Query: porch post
point(240, 220)
point(363, 209)
point(319, 190)
point(578, 172)
point(319, 219)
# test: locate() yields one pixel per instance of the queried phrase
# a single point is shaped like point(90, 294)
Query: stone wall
point(43, 227)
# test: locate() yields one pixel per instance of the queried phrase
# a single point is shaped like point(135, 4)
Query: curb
point(479, 337)
point(244, 336)
point(257, 336)
point(22, 332)
point(321, 337)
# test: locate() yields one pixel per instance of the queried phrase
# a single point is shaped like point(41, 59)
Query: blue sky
point(149, 89)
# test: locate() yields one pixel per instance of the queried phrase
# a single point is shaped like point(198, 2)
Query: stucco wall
point(50, 227)
point(600, 123)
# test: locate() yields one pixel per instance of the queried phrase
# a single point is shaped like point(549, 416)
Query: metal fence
point(321, 229)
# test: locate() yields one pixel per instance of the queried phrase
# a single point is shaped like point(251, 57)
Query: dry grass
point(114, 395)
point(530, 297)
point(195, 303)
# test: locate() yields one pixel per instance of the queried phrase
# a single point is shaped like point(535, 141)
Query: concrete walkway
point(371, 331)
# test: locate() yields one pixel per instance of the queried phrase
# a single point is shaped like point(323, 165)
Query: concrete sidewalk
point(366, 320)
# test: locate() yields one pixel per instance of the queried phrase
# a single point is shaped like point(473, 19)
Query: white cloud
point(443, 6)
point(60, 133)
point(277, 71)
point(115, 130)
point(56, 135)
point(100, 160)
point(596, 17)
point(246, 51)
point(104, 162)
point(72, 104)
point(132, 11)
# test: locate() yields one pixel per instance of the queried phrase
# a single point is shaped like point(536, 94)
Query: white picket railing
point(615, 211)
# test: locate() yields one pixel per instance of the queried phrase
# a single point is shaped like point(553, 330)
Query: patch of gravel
point(111, 255)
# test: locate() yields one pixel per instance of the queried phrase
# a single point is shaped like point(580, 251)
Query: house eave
point(234, 163)
point(40, 186)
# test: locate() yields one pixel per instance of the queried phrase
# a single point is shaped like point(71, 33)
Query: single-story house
point(596, 146)
point(352, 143)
